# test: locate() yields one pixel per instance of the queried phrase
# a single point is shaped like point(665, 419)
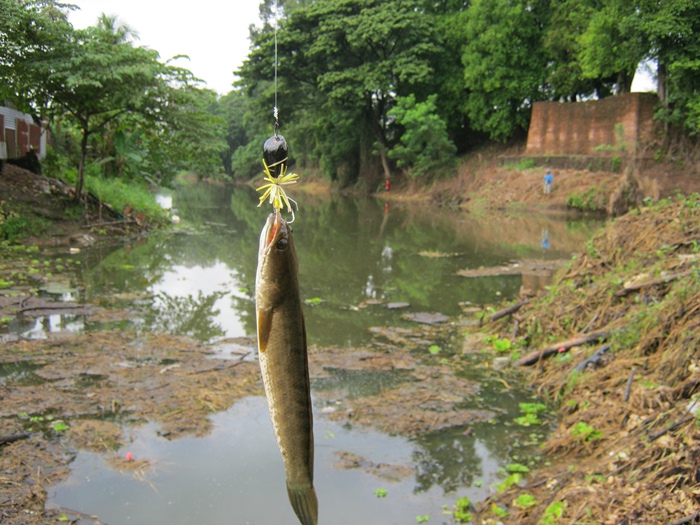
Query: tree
point(96, 76)
point(231, 108)
point(28, 28)
point(244, 134)
point(351, 58)
point(561, 40)
point(186, 134)
point(609, 46)
point(504, 64)
point(425, 148)
point(672, 28)
point(447, 81)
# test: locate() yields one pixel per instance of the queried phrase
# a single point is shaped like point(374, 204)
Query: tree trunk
point(662, 89)
point(534, 357)
point(376, 115)
point(662, 83)
point(381, 140)
point(81, 164)
point(624, 82)
point(385, 161)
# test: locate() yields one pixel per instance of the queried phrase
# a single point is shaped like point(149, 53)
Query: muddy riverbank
point(626, 446)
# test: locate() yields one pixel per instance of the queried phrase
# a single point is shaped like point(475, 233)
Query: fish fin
point(264, 328)
point(304, 503)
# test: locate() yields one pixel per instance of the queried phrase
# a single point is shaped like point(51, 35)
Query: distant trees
point(110, 89)
point(345, 66)
point(365, 88)
point(475, 65)
point(424, 149)
point(504, 63)
point(671, 32)
point(344, 62)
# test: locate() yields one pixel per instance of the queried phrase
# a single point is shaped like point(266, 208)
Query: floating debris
point(439, 254)
point(427, 318)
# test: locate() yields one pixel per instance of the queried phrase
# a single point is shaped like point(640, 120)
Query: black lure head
point(275, 154)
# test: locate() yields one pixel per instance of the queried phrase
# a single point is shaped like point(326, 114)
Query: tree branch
point(534, 357)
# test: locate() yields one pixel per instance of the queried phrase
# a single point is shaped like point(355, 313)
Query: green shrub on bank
point(15, 228)
point(593, 199)
point(119, 193)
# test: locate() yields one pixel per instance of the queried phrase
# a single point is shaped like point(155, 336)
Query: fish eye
point(281, 244)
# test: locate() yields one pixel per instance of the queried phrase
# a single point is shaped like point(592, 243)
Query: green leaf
point(59, 426)
point(517, 467)
point(525, 501)
point(380, 493)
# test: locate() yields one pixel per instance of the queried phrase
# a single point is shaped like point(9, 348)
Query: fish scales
point(284, 363)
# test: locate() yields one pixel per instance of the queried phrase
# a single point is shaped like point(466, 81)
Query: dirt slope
point(626, 448)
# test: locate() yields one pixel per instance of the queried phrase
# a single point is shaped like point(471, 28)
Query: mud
point(98, 385)
point(436, 391)
point(528, 267)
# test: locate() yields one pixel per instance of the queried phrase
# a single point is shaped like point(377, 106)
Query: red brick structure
point(611, 126)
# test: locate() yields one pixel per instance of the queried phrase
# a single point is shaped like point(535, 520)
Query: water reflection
point(198, 279)
point(196, 301)
point(46, 324)
point(235, 475)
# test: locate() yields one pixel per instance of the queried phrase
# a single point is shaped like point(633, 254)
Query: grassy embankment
point(626, 447)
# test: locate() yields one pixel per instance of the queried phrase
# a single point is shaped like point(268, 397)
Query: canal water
point(356, 256)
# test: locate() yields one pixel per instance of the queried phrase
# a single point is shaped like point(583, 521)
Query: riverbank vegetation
point(625, 448)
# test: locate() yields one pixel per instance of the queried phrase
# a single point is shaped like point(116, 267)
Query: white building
point(19, 133)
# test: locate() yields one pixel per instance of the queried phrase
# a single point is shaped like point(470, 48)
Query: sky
point(213, 33)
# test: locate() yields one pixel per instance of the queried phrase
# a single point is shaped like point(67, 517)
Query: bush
point(593, 199)
point(425, 148)
point(120, 194)
point(16, 228)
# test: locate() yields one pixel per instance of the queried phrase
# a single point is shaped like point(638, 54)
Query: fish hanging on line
point(275, 156)
point(284, 362)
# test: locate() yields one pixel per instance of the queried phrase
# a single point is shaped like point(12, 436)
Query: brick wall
point(595, 127)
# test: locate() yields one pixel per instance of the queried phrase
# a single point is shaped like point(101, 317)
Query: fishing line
point(275, 112)
point(276, 155)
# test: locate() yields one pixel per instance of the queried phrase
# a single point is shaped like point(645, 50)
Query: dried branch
point(508, 310)
point(534, 357)
point(661, 280)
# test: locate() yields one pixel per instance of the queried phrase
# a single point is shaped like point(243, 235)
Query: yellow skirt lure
point(275, 156)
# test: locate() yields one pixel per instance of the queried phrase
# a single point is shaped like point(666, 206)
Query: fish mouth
point(274, 228)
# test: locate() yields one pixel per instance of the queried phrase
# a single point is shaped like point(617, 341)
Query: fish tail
point(304, 503)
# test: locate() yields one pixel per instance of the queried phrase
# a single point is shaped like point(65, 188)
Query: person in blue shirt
point(548, 180)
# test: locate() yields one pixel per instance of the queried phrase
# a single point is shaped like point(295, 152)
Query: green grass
point(120, 194)
point(16, 228)
point(593, 199)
